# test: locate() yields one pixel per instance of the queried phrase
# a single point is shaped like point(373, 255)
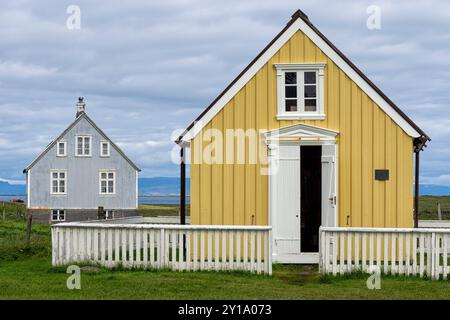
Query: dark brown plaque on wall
point(381, 174)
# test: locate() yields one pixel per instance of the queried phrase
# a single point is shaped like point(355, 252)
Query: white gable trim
point(299, 24)
point(301, 131)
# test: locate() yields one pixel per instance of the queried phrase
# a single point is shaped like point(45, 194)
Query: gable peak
point(299, 14)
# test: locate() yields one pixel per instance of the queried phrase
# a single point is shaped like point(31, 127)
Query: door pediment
point(302, 132)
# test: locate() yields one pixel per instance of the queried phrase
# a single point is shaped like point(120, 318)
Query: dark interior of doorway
point(311, 196)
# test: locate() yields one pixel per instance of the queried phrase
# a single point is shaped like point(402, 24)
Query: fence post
point(28, 232)
point(53, 246)
point(321, 251)
point(270, 251)
point(163, 249)
point(3, 204)
point(439, 211)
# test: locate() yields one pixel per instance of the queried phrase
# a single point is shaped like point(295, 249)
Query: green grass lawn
point(151, 210)
point(428, 207)
point(35, 279)
point(10, 209)
point(26, 273)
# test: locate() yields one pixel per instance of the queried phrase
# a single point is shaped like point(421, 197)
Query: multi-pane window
point(109, 214)
point(61, 148)
point(107, 182)
point(58, 215)
point(83, 146)
point(104, 149)
point(58, 182)
point(300, 91)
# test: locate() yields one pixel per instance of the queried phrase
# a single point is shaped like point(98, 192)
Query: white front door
point(286, 203)
point(287, 179)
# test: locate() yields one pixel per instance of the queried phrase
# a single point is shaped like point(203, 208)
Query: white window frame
point(300, 114)
point(64, 142)
point(58, 179)
point(58, 214)
point(107, 180)
point(83, 136)
point(101, 149)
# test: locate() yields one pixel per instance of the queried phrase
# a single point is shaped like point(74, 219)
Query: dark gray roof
point(83, 115)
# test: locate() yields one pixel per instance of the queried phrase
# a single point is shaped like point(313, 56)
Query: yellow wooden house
point(302, 138)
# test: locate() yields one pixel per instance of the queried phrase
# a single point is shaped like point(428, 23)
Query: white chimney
point(81, 106)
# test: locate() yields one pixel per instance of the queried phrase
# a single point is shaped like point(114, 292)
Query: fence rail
point(423, 252)
point(177, 247)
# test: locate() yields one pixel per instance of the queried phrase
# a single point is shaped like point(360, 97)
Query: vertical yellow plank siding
point(205, 190)
point(368, 139)
point(239, 169)
point(218, 192)
point(367, 172)
point(228, 172)
point(356, 157)
point(195, 176)
point(344, 170)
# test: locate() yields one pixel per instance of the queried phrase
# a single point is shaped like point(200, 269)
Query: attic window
point(83, 146)
point(300, 91)
point(61, 149)
point(104, 149)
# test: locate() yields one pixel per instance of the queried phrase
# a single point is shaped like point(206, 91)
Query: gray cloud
point(148, 68)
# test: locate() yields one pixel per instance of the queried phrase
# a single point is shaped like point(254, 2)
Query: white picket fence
point(385, 250)
point(176, 247)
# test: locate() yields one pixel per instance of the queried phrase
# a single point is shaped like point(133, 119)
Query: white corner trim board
point(28, 189)
point(299, 24)
point(137, 189)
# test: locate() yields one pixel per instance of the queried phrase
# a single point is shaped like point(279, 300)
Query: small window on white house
point(300, 91)
point(104, 149)
point(109, 214)
point(58, 182)
point(58, 215)
point(83, 146)
point(107, 182)
point(61, 148)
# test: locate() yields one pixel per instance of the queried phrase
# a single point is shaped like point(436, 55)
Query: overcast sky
point(148, 68)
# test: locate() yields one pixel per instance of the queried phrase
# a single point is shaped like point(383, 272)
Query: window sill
point(301, 116)
point(107, 195)
point(80, 156)
point(61, 156)
point(58, 194)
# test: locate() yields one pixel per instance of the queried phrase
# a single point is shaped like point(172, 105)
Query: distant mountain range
point(171, 186)
point(434, 190)
point(161, 186)
point(12, 189)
